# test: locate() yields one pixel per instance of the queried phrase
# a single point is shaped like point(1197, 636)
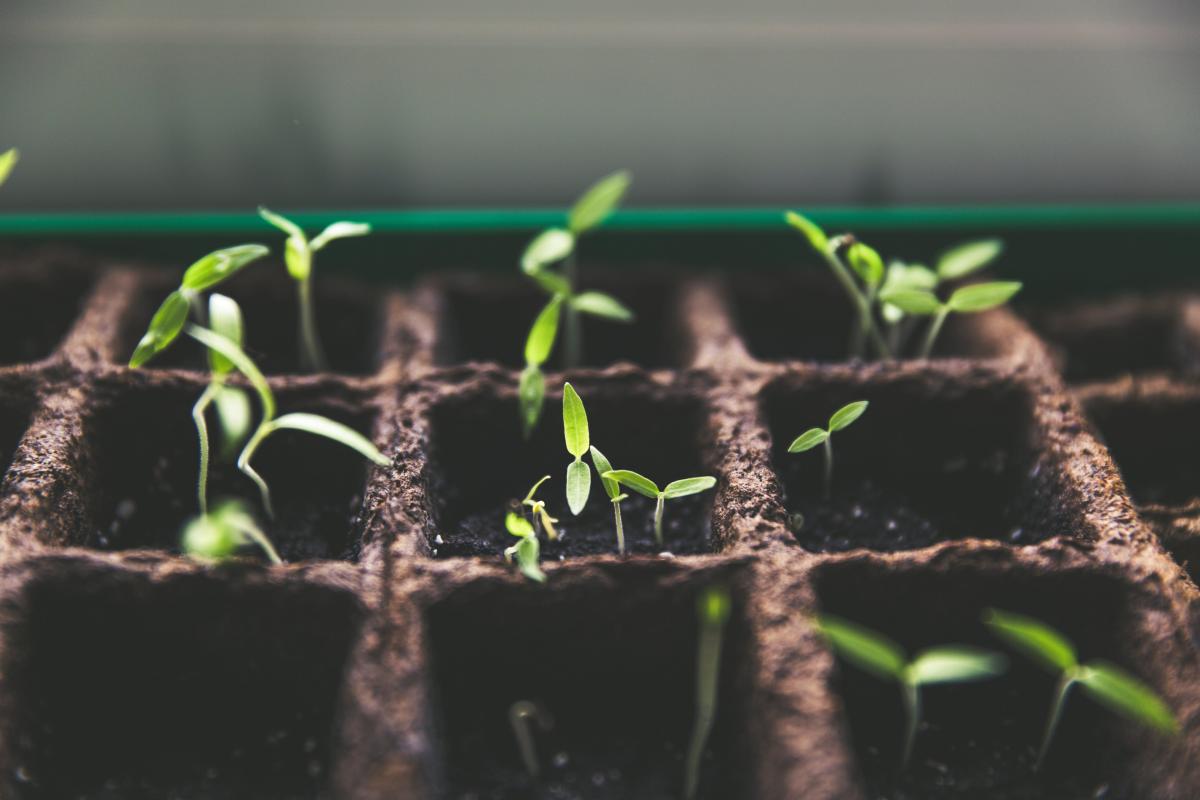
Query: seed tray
point(379, 662)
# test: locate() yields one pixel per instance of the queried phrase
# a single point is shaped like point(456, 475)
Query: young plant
point(520, 714)
point(615, 495)
point(527, 551)
point(970, 299)
point(8, 160)
point(298, 255)
point(712, 609)
point(575, 432)
point(1107, 684)
point(537, 510)
point(883, 658)
point(531, 391)
point(216, 535)
point(842, 418)
point(647, 488)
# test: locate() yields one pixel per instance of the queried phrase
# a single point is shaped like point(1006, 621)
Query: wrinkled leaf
point(579, 485)
point(982, 296)
point(542, 334)
point(1033, 638)
point(531, 394)
point(863, 647)
point(600, 200)
point(164, 328)
point(846, 415)
point(224, 318)
point(639, 483)
point(339, 230)
point(816, 237)
point(955, 664)
point(547, 247)
point(575, 423)
point(912, 301)
point(865, 261)
point(1127, 695)
point(601, 305)
point(218, 265)
point(334, 430)
point(808, 440)
point(960, 261)
point(518, 525)
point(687, 486)
point(233, 412)
point(611, 487)
point(8, 160)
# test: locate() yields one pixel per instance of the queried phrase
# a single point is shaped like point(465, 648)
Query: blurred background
point(223, 104)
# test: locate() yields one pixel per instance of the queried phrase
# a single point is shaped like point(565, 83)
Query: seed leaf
point(955, 664)
point(518, 525)
point(297, 255)
point(331, 429)
point(8, 160)
point(164, 328)
point(846, 415)
point(912, 301)
point(816, 237)
point(579, 485)
point(611, 487)
point(339, 230)
point(240, 360)
point(1033, 638)
point(528, 553)
point(224, 318)
point(219, 265)
point(982, 296)
point(1123, 693)
point(233, 411)
point(601, 305)
point(598, 202)
point(866, 262)
point(547, 247)
point(281, 222)
point(863, 647)
point(530, 394)
point(639, 483)
point(687, 486)
point(808, 440)
point(575, 423)
point(542, 334)
point(960, 261)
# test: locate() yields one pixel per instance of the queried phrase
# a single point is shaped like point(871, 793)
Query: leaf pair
point(965, 300)
point(299, 249)
point(527, 551)
point(842, 418)
point(647, 488)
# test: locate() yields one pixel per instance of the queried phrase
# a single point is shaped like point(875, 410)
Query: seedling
point(298, 255)
point(519, 715)
point(215, 536)
point(1106, 683)
point(966, 300)
point(842, 418)
point(883, 658)
point(615, 495)
point(575, 432)
point(646, 487)
point(532, 389)
point(526, 551)
point(712, 609)
point(8, 160)
point(537, 510)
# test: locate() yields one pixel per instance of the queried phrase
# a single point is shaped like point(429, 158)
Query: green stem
point(866, 321)
point(519, 716)
point(912, 709)
point(620, 527)
point(243, 464)
point(573, 333)
point(934, 328)
point(198, 412)
point(708, 662)
point(828, 484)
point(312, 357)
point(658, 516)
point(1060, 696)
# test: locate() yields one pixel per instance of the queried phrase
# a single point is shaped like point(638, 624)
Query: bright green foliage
point(959, 262)
point(519, 715)
point(600, 200)
point(219, 534)
point(647, 488)
point(298, 255)
point(615, 495)
point(537, 508)
point(842, 418)
point(8, 160)
point(964, 300)
point(527, 551)
point(712, 611)
point(1104, 682)
point(883, 658)
point(575, 433)
point(532, 390)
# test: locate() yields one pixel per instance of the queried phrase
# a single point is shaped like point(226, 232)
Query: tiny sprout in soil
point(220, 533)
point(537, 509)
point(646, 487)
point(884, 659)
point(615, 495)
point(298, 255)
point(712, 609)
point(1106, 683)
point(526, 551)
point(575, 432)
point(842, 418)
point(520, 715)
point(965, 300)
point(8, 160)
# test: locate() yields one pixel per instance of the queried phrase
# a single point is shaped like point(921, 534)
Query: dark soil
point(38, 306)
point(14, 420)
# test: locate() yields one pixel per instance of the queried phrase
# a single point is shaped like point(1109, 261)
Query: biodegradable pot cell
point(40, 299)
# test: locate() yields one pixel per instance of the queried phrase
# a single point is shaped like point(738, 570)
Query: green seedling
point(537, 510)
point(1106, 683)
point(532, 389)
point(883, 658)
point(575, 432)
point(269, 423)
point(217, 535)
point(520, 714)
point(970, 299)
point(298, 256)
point(527, 551)
point(615, 495)
point(8, 160)
point(647, 488)
point(712, 609)
point(842, 418)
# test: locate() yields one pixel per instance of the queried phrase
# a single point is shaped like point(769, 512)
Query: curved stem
point(1060, 696)
point(912, 709)
point(658, 516)
point(934, 328)
point(243, 464)
point(312, 357)
point(616, 504)
point(828, 485)
point(198, 411)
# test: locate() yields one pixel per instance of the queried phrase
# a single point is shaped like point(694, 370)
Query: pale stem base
point(1060, 698)
point(616, 504)
point(827, 485)
point(912, 711)
point(658, 518)
point(312, 357)
point(935, 327)
point(708, 662)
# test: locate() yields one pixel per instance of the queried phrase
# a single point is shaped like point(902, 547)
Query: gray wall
point(148, 104)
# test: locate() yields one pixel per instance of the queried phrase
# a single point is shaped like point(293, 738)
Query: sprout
point(965, 300)
point(842, 418)
point(519, 715)
point(712, 609)
point(527, 551)
point(1105, 682)
point(615, 495)
point(217, 535)
point(298, 255)
point(646, 487)
point(8, 160)
point(532, 389)
point(878, 655)
point(537, 509)
point(575, 432)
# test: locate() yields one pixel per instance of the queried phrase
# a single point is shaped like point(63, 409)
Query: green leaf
point(8, 160)
point(960, 261)
point(240, 360)
point(713, 606)
point(518, 525)
point(808, 440)
point(863, 647)
point(909, 276)
point(611, 487)
point(528, 554)
point(846, 415)
point(224, 318)
point(531, 393)
point(164, 328)
point(866, 262)
point(601, 305)
point(598, 202)
point(575, 423)
point(579, 485)
point(1033, 638)
point(639, 483)
point(1125, 694)
point(281, 222)
point(219, 265)
point(547, 247)
point(982, 296)
point(331, 429)
point(912, 301)
point(339, 230)
point(542, 334)
point(233, 412)
point(533, 489)
point(955, 664)
point(297, 255)
point(816, 237)
point(687, 486)
point(552, 282)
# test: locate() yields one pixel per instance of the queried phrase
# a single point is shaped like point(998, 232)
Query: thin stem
point(312, 357)
point(934, 328)
point(198, 412)
point(243, 464)
point(1060, 696)
point(519, 715)
point(860, 301)
point(912, 708)
point(708, 661)
point(573, 335)
point(255, 535)
point(658, 515)
point(616, 504)
point(828, 485)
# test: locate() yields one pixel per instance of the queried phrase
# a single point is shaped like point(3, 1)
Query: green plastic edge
point(480, 221)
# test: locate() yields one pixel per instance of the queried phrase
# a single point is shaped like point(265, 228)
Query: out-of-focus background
point(166, 104)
